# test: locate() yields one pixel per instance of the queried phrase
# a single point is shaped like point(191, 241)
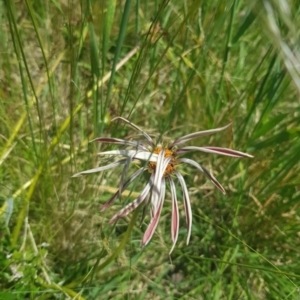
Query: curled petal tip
point(103, 208)
point(116, 118)
point(112, 220)
point(76, 175)
point(145, 241)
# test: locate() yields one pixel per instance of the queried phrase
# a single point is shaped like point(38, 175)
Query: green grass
point(171, 67)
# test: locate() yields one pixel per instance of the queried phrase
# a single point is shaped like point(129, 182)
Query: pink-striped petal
point(116, 141)
point(151, 228)
point(134, 154)
point(187, 205)
point(195, 135)
point(116, 195)
point(175, 215)
point(161, 165)
point(132, 205)
point(149, 139)
point(205, 172)
point(100, 169)
point(155, 219)
point(214, 150)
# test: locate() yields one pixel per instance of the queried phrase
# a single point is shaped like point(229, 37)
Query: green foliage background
point(172, 67)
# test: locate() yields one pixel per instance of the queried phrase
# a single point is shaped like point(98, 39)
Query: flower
point(162, 164)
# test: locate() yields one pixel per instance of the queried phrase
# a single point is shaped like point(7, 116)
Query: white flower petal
point(149, 139)
point(205, 172)
point(126, 183)
point(116, 141)
point(214, 150)
point(154, 220)
point(99, 169)
point(161, 165)
point(187, 205)
point(134, 154)
point(175, 214)
point(198, 134)
point(132, 205)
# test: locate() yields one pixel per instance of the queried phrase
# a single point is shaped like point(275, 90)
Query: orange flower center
point(170, 167)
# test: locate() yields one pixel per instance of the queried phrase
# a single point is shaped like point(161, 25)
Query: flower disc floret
point(170, 168)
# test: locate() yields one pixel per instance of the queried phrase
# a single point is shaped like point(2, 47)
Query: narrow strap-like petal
point(158, 175)
point(175, 214)
point(99, 169)
point(187, 205)
point(134, 154)
point(149, 139)
point(116, 141)
point(161, 166)
point(155, 219)
point(124, 186)
point(132, 205)
point(198, 134)
point(214, 150)
point(205, 172)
